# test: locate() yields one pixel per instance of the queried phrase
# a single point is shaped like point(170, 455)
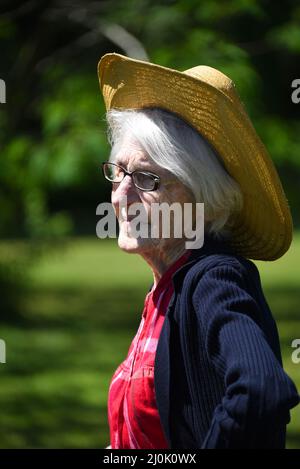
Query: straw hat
point(207, 100)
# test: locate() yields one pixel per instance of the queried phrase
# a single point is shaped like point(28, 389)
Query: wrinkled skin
point(159, 253)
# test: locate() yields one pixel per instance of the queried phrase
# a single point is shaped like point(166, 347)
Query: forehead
point(126, 155)
point(132, 157)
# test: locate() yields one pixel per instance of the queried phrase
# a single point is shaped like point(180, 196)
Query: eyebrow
point(114, 158)
point(121, 163)
point(116, 161)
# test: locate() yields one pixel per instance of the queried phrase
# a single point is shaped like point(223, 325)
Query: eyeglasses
point(143, 180)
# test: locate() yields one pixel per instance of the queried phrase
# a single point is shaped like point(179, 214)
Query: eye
point(144, 181)
point(113, 173)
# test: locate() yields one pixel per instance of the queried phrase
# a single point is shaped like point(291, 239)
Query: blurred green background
point(70, 303)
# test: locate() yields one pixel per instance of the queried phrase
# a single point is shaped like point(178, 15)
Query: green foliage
point(64, 157)
point(52, 128)
point(287, 36)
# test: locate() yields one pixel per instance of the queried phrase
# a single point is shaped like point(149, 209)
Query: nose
point(126, 189)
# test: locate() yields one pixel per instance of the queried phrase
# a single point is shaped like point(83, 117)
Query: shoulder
point(223, 266)
point(219, 282)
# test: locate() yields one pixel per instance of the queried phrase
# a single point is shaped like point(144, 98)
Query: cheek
point(113, 200)
point(147, 199)
point(176, 194)
point(113, 196)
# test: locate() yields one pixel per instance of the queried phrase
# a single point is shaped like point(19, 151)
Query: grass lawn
point(78, 318)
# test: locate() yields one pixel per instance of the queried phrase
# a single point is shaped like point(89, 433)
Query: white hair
point(176, 146)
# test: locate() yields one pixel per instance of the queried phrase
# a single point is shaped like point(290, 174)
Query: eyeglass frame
point(157, 179)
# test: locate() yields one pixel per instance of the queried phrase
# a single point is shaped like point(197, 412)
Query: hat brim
point(263, 229)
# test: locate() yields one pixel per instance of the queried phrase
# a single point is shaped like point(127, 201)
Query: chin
point(132, 245)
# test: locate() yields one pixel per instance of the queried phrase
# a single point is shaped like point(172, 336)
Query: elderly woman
point(204, 369)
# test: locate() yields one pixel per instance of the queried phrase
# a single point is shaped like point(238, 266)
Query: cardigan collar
point(211, 245)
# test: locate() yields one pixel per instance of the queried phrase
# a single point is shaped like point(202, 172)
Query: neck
point(161, 258)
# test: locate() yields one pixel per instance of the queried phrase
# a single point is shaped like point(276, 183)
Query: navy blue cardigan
point(218, 376)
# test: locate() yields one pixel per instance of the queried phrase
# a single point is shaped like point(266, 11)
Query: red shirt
point(132, 411)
